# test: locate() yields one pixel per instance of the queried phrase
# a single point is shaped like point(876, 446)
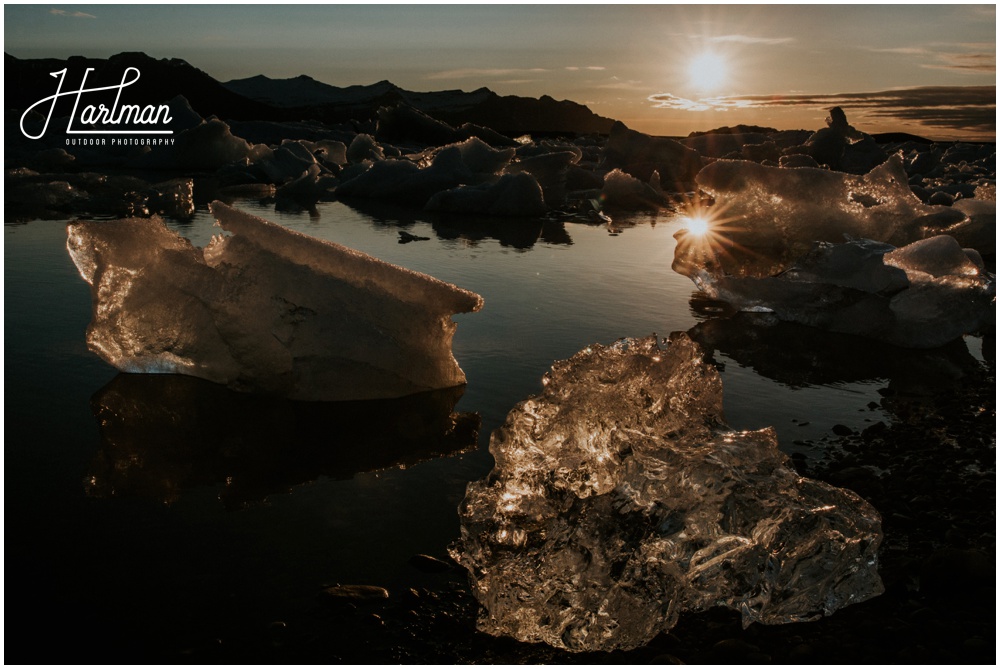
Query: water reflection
point(518, 233)
point(163, 434)
point(798, 355)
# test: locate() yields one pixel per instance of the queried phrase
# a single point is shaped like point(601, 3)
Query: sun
point(697, 225)
point(707, 71)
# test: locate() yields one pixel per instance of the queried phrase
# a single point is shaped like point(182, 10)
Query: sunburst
point(708, 72)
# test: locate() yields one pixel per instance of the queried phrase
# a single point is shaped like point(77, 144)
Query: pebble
point(356, 593)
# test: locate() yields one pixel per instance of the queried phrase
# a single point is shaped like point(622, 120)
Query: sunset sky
point(662, 69)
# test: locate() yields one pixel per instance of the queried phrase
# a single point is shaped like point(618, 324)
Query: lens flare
point(697, 225)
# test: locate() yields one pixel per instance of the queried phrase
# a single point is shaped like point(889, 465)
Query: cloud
point(961, 57)
point(472, 72)
point(969, 63)
point(74, 15)
point(750, 39)
point(904, 50)
point(670, 101)
point(965, 108)
point(616, 84)
point(592, 68)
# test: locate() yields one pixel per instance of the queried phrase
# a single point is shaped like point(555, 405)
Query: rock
point(356, 593)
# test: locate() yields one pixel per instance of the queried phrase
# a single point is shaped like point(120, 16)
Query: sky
point(661, 69)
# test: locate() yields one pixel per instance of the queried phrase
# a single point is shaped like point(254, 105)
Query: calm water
point(142, 547)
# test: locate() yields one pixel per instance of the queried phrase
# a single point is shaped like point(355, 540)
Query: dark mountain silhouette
point(295, 99)
point(510, 115)
point(304, 91)
point(28, 81)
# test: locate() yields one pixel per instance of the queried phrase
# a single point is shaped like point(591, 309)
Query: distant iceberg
point(774, 241)
point(265, 309)
point(620, 499)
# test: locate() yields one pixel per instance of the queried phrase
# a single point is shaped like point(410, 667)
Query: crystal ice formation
point(620, 499)
point(266, 309)
point(766, 205)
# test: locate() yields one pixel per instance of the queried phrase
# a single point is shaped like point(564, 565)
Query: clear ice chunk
point(620, 499)
point(265, 309)
point(764, 205)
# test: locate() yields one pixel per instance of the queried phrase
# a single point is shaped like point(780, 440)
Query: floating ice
point(404, 182)
point(921, 295)
point(841, 146)
point(481, 158)
point(624, 191)
point(31, 195)
point(207, 146)
point(266, 309)
point(311, 187)
point(640, 155)
point(549, 166)
point(780, 206)
point(403, 122)
point(979, 230)
point(511, 195)
point(619, 500)
point(364, 147)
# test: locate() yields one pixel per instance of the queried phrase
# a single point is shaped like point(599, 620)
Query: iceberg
point(921, 295)
point(620, 499)
point(640, 155)
point(207, 146)
point(624, 191)
point(265, 309)
point(776, 206)
point(511, 195)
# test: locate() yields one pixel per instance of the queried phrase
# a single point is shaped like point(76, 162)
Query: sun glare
point(697, 225)
point(707, 71)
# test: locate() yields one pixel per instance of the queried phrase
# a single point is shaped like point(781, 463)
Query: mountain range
point(294, 99)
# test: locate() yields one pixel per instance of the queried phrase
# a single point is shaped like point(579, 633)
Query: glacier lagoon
point(176, 573)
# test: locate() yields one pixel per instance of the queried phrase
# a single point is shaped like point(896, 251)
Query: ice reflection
point(798, 355)
point(518, 233)
point(164, 434)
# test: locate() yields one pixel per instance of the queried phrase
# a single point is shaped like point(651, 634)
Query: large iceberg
point(620, 499)
point(774, 206)
point(265, 309)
